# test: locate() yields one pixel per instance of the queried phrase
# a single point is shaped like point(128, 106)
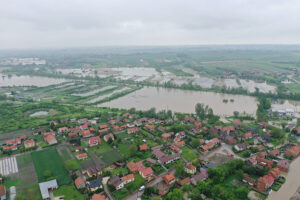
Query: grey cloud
point(72, 23)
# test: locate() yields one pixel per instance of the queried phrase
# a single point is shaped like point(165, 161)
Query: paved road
point(106, 190)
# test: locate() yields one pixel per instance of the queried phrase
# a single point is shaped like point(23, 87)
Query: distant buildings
point(23, 61)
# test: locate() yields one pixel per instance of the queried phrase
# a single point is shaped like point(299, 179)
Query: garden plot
point(27, 174)
point(8, 166)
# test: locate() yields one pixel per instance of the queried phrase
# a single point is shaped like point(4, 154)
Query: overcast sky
point(84, 23)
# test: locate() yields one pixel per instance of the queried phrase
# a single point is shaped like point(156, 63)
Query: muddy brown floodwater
point(183, 101)
point(290, 186)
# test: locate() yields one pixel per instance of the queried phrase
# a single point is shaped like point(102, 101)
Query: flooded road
point(290, 186)
point(183, 101)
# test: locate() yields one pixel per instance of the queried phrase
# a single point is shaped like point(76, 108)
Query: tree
point(277, 133)
point(47, 174)
point(179, 170)
point(70, 165)
point(132, 149)
point(176, 194)
point(241, 193)
point(150, 190)
point(236, 114)
point(195, 143)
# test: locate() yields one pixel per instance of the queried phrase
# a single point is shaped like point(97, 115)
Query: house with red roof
point(84, 126)
point(79, 183)
point(248, 135)
point(11, 147)
point(63, 129)
point(283, 165)
point(146, 173)
point(98, 197)
point(94, 141)
point(186, 180)
point(190, 169)
point(189, 119)
point(150, 127)
point(108, 136)
point(72, 134)
point(82, 156)
point(29, 143)
point(166, 136)
point(275, 172)
point(197, 124)
point(175, 148)
point(143, 147)
point(237, 123)
point(180, 144)
point(128, 178)
point(169, 178)
point(102, 131)
point(293, 151)
point(50, 139)
point(135, 167)
point(229, 129)
point(181, 135)
point(133, 130)
point(265, 182)
point(86, 133)
point(103, 126)
point(161, 128)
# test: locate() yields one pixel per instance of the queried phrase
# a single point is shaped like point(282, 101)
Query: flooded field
point(25, 80)
point(90, 93)
point(102, 97)
point(290, 186)
point(288, 104)
point(183, 101)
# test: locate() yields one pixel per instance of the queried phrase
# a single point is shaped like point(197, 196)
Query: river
point(183, 101)
point(290, 186)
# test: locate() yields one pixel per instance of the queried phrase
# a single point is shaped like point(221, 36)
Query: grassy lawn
point(31, 192)
point(104, 147)
point(123, 150)
point(293, 87)
point(65, 154)
point(49, 160)
point(24, 159)
point(188, 154)
point(15, 182)
point(120, 171)
point(110, 157)
point(123, 135)
point(69, 192)
point(74, 163)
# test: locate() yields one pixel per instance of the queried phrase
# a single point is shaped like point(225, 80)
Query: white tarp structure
point(46, 186)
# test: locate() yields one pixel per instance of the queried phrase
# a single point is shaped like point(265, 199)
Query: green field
point(69, 192)
point(110, 157)
point(188, 154)
point(48, 166)
point(31, 192)
point(24, 159)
